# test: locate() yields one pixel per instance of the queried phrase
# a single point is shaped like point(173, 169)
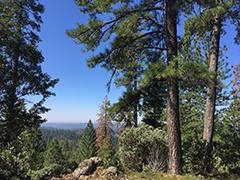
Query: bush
point(51, 170)
point(46, 172)
point(226, 153)
point(10, 164)
point(142, 147)
point(21, 156)
point(192, 146)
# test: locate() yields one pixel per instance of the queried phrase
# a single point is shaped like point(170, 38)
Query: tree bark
point(135, 113)
point(211, 93)
point(12, 106)
point(236, 81)
point(173, 125)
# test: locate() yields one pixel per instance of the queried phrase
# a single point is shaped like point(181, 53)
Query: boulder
point(91, 169)
point(111, 171)
point(87, 167)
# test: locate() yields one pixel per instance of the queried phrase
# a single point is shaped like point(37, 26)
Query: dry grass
point(164, 176)
point(159, 176)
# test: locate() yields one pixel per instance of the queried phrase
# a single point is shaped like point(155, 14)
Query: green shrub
point(142, 147)
point(192, 146)
point(46, 172)
point(226, 153)
point(21, 156)
point(71, 165)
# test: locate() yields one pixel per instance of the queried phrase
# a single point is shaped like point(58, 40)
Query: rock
point(111, 171)
point(87, 167)
point(91, 169)
point(82, 177)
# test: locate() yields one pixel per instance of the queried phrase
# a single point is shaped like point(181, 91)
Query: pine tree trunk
point(135, 113)
point(13, 127)
point(211, 94)
point(12, 111)
point(236, 81)
point(173, 125)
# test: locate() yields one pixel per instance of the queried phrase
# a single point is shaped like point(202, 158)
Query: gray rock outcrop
point(87, 167)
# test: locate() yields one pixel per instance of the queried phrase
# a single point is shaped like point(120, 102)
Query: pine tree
point(128, 105)
point(153, 106)
point(173, 124)
point(192, 101)
point(20, 68)
point(104, 136)
point(236, 82)
point(54, 154)
point(210, 21)
point(211, 91)
point(103, 130)
point(126, 109)
point(191, 118)
point(137, 26)
point(87, 143)
point(130, 51)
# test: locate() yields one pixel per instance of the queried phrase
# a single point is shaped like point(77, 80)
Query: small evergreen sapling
point(87, 144)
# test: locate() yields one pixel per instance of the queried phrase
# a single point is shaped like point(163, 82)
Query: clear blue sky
point(80, 90)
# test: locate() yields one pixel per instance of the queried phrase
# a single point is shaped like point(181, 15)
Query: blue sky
point(80, 90)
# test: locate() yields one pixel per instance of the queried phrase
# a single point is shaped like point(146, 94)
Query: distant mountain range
point(68, 131)
point(71, 126)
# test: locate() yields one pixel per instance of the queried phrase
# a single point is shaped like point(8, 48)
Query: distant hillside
point(61, 134)
point(69, 131)
point(66, 125)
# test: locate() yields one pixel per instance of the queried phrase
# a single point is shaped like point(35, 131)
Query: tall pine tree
point(173, 124)
point(147, 29)
point(236, 82)
point(20, 68)
point(211, 21)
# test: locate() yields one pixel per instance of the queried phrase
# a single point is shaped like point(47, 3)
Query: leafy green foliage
point(154, 103)
point(226, 152)
point(21, 72)
point(134, 35)
point(22, 156)
point(192, 103)
point(136, 143)
point(46, 172)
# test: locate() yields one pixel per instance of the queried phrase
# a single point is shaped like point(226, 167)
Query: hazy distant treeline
point(49, 134)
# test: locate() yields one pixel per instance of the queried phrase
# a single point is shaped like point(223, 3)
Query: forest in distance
point(178, 115)
point(49, 134)
point(66, 125)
